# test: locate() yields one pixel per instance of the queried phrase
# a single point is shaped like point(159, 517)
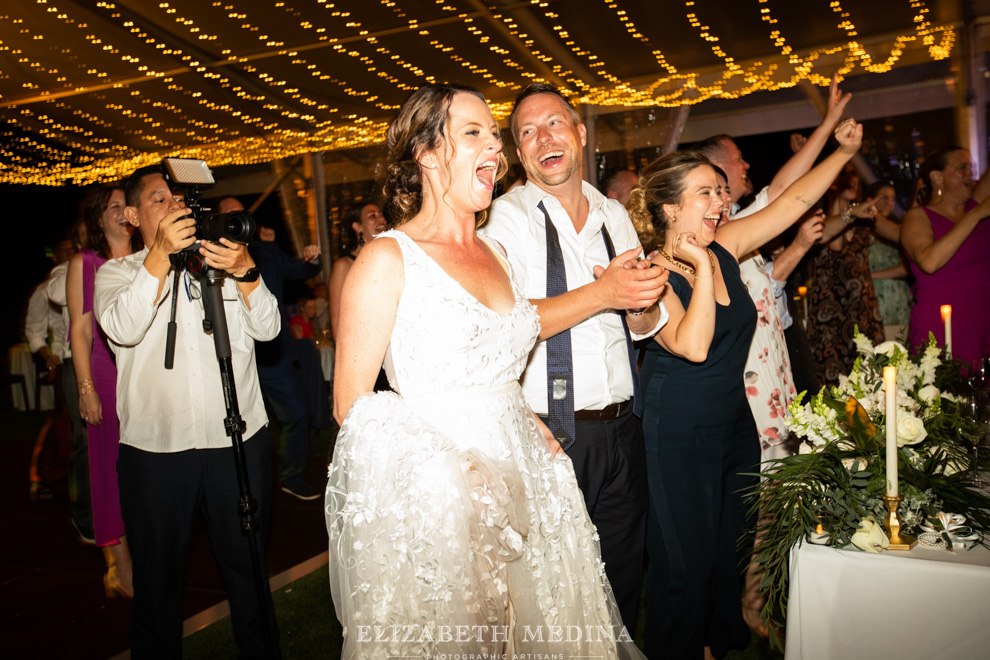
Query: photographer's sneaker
point(302, 490)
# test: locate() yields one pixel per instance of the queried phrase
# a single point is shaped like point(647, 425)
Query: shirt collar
point(597, 202)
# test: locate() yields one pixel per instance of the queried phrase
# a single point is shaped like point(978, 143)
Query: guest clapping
point(947, 240)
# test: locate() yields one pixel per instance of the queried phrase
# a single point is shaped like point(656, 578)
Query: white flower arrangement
point(830, 492)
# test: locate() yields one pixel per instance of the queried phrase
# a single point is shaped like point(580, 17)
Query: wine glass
point(979, 377)
point(978, 410)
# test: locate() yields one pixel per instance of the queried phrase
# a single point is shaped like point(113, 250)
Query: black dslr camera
point(194, 176)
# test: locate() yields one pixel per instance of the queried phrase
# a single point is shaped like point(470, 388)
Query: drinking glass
point(979, 377)
point(978, 409)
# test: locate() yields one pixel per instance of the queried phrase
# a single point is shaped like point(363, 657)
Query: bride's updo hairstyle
point(418, 128)
point(662, 182)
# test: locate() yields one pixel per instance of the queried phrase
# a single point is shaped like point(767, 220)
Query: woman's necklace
point(688, 269)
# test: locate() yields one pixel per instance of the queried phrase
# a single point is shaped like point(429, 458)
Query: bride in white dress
point(455, 521)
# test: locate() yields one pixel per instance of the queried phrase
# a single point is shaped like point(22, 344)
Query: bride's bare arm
point(368, 302)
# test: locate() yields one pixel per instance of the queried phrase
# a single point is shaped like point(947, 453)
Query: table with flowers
point(922, 603)
point(886, 461)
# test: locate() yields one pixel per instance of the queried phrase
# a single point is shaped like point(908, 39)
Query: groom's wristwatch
point(251, 276)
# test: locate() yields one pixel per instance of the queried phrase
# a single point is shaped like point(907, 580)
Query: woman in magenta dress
point(947, 239)
point(108, 236)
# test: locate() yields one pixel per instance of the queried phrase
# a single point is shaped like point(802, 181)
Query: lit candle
point(803, 292)
point(890, 393)
point(818, 537)
point(947, 319)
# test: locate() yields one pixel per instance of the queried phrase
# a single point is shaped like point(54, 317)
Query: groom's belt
point(608, 412)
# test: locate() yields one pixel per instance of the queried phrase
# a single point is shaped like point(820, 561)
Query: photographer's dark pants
point(160, 495)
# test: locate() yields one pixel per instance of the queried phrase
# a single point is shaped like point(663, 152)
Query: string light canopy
point(91, 90)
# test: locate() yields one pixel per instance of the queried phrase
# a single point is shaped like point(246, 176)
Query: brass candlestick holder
point(898, 541)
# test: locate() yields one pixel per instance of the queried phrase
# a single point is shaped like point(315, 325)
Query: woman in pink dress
point(947, 239)
point(108, 236)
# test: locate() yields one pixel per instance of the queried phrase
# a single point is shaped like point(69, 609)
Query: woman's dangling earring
point(360, 239)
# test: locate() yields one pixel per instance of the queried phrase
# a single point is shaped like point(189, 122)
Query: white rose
point(929, 393)
point(910, 430)
point(887, 348)
point(870, 537)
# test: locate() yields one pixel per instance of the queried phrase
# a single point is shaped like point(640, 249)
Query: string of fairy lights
point(144, 76)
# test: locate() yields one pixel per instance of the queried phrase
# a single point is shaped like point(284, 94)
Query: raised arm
point(835, 224)
point(919, 241)
point(799, 164)
point(745, 235)
point(368, 304)
point(688, 333)
point(808, 234)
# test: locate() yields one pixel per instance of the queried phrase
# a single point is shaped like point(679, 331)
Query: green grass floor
point(308, 628)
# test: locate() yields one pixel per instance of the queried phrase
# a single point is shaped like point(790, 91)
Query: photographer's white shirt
point(170, 410)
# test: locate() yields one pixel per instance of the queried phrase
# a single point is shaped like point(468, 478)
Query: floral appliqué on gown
point(452, 528)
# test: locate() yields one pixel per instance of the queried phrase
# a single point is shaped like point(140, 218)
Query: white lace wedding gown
point(452, 529)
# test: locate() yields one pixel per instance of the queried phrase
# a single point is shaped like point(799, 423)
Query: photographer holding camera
point(175, 456)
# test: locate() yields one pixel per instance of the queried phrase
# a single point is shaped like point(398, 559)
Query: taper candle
point(947, 319)
point(890, 397)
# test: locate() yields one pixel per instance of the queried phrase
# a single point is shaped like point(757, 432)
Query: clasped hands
point(629, 282)
point(177, 231)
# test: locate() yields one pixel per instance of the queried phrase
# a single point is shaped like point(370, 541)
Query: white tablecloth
point(22, 363)
point(922, 603)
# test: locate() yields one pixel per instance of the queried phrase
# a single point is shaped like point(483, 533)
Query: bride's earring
point(360, 239)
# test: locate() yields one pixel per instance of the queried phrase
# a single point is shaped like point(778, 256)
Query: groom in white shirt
point(583, 276)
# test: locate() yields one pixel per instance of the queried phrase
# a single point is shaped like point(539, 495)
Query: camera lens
point(236, 226)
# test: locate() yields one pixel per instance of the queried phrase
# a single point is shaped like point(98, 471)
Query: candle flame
point(946, 312)
point(819, 529)
point(802, 291)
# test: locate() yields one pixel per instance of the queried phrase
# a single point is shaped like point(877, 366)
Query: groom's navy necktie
point(560, 364)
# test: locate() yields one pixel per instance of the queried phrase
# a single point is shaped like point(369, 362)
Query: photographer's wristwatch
point(251, 276)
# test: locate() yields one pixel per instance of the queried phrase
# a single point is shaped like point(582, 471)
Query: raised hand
point(836, 100)
point(849, 133)
point(867, 209)
point(810, 230)
point(685, 248)
point(176, 231)
point(311, 253)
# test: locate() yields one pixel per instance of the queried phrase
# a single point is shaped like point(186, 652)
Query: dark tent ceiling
point(91, 90)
